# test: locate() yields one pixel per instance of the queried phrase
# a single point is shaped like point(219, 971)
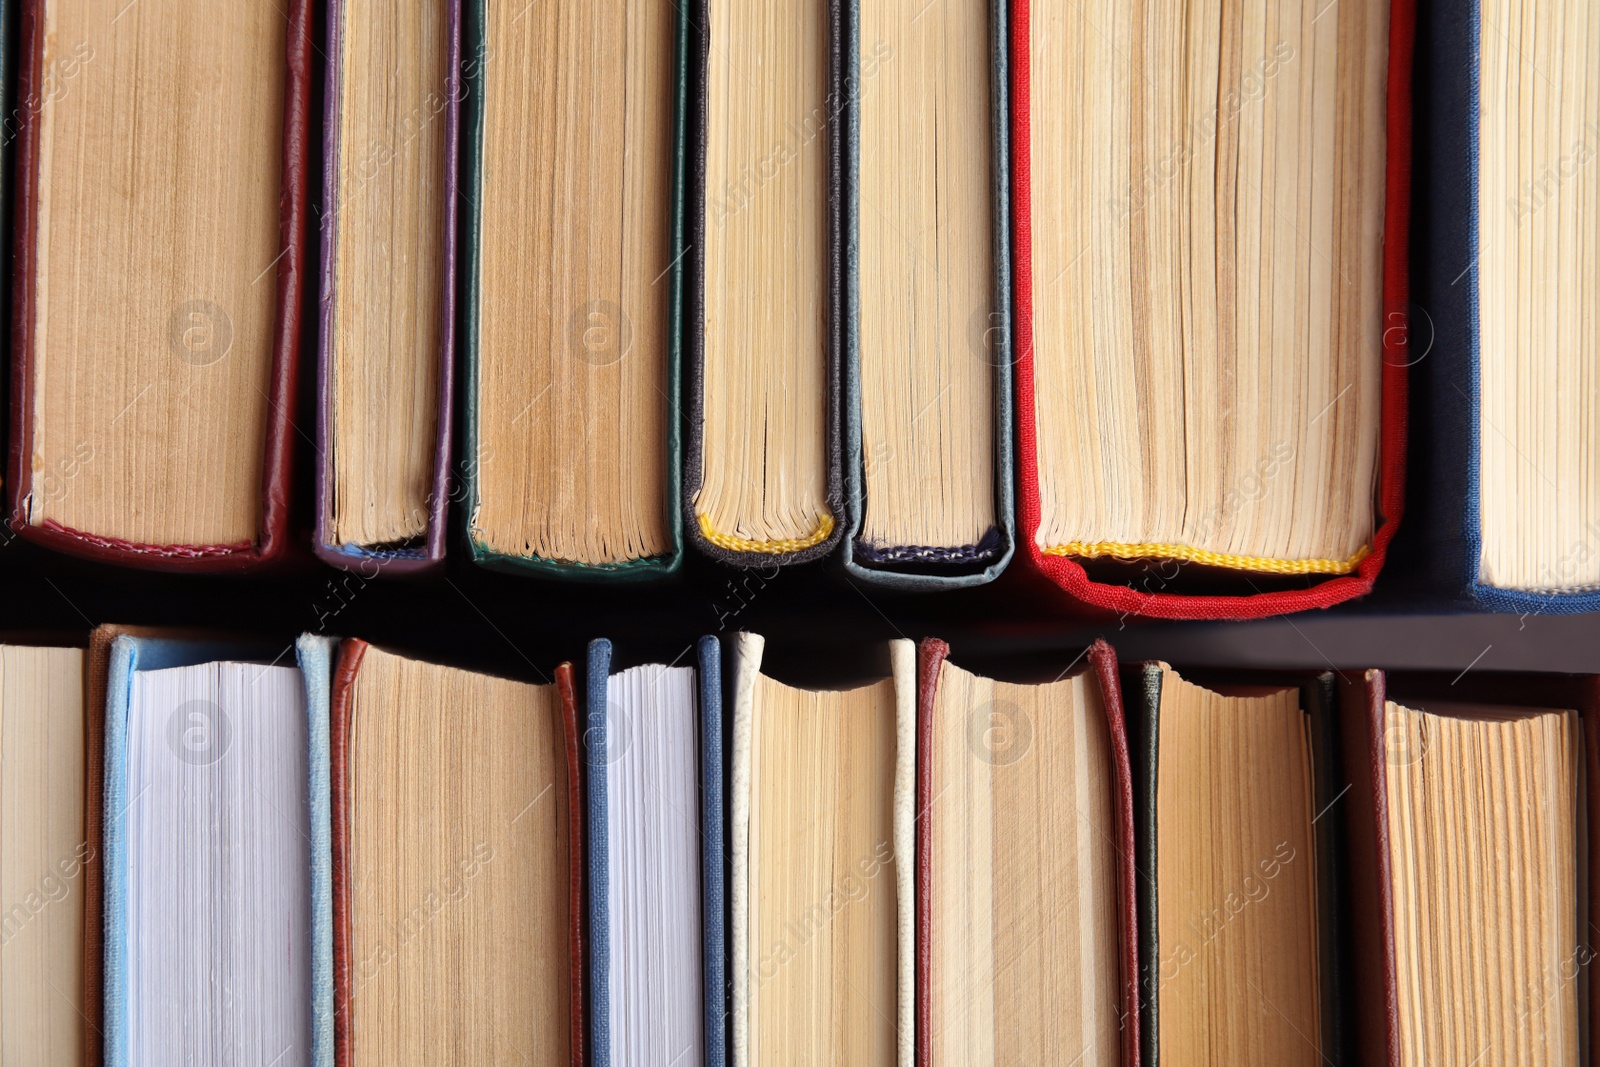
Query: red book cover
point(1102, 662)
point(47, 72)
point(1117, 599)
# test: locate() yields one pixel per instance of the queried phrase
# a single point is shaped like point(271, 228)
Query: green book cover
point(477, 53)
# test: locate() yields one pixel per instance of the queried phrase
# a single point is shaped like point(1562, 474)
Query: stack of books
point(1127, 297)
point(1123, 293)
point(220, 852)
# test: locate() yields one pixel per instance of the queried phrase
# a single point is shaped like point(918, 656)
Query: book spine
point(344, 676)
point(315, 656)
point(1367, 876)
point(931, 654)
point(713, 852)
point(1103, 662)
point(596, 690)
point(566, 688)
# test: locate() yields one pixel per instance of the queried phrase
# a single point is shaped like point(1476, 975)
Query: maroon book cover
point(40, 81)
point(1369, 750)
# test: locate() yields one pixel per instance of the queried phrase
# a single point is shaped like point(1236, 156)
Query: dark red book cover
point(38, 80)
point(1368, 750)
point(1102, 661)
point(1115, 599)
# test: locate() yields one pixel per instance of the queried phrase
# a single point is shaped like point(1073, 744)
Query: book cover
point(470, 259)
point(1102, 662)
point(351, 653)
point(1371, 748)
point(711, 861)
point(1443, 545)
point(272, 538)
point(129, 654)
point(1102, 598)
point(431, 552)
point(722, 546)
point(913, 567)
point(748, 962)
point(1142, 689)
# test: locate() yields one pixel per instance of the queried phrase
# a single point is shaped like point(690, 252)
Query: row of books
point(215, 851)
point(1123, 290)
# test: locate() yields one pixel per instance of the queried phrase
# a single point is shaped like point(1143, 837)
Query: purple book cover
point(431, 553)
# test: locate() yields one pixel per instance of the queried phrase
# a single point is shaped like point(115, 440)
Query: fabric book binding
point(711, 859)
point(431, 552)
point(476, 50)
point(36, 82)
point(1056, 565)
point(928, 568)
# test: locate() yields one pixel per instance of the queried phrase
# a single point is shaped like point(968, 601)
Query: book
point(820, 814)
point(572, 261)
point(1240, 912)
point(1025, 868)
point(391, 103)
point(1451, 779)
point(45, 853)
point(96, 681)
point(1210, 383)
point(180, 458)
point(653, 737)
point(1505, 502)
point(927, 346)
point(762, 467)
point(215, 910)
point(458, 873)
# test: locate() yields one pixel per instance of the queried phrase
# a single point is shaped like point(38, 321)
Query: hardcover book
point(1026, 951)
point(392, 96)
point(154, 354)
point(658, 991)
point(47, 856)
point(1211, 383)
point(572, 261)
point(97, 672)
point(1507, 497)
point(1240, 912)
point(457, 865)
point(1451, 779)
point(762, 472)
point(820, 815)
point(211, 788)
point(927, 321)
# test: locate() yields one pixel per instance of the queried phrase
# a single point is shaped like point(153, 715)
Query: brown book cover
point(1367, 755)
point(1102, 661)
